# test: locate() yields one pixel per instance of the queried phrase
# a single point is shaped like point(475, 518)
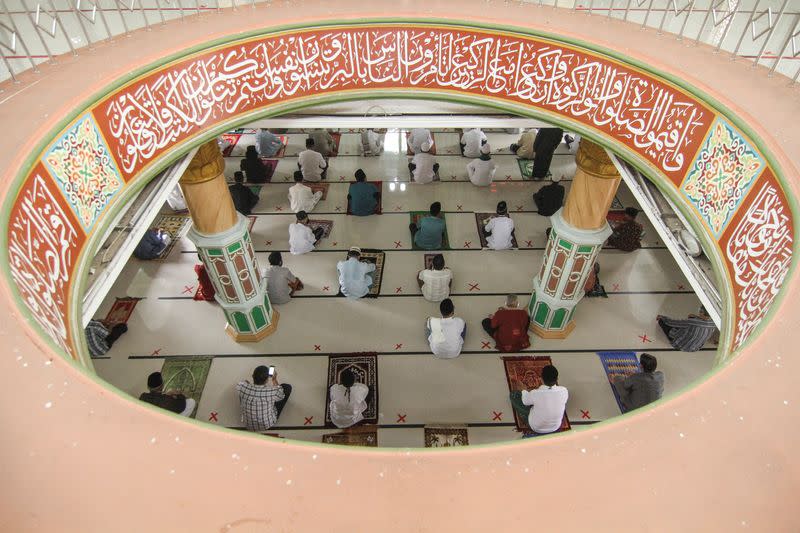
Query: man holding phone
point(263, 400)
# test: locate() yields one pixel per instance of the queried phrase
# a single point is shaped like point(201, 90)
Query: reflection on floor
point(415, 388)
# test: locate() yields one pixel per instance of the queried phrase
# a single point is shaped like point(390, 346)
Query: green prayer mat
point(186, 376)
point(526, 168)
point(415, 216)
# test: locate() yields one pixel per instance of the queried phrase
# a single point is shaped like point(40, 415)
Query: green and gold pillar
point(578, 232)
point(224, 246)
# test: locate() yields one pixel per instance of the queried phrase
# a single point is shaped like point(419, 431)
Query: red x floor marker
point(338, 208)
point(645, 338)
point(497, 415)
point(519, 207)
point(341, 178)
point(156, 352)
point(467, 244)
point(212, 417)
point(317, 348)
point(401, 418)
point(187, 288)
point(616, 286)
point(473, 287)
point(398, 346)
point(458, 208)
point(485, 345)
point(398, 290)
point(508, 176)
point(278, 208)
point(268, 243)
point(334, 243)
point(584, 414)
point(452, 177)
point(681, 287)
point(326, 288)
point(529, 244)
point(398, 244)
point(308, 420)
point(398, 208)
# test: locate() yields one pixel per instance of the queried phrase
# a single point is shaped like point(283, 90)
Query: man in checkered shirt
point(261, 402)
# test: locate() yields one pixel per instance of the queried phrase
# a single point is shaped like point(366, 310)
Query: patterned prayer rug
point(377, 257)
point(428, 261)
point(175, 225)
point(379, 209)
point(326, 225)
point(619, 364)
point(615, 218)
point(480, 220)
point(526, 168)
point(415, 216)
point(187, 376)
point(121, 311)
point(525, 373)
point(337, 139)
point(231, 139)
point(368, 436)
point(446, 436)
point(365, 367)
point(271, 165)
point(205, 288)
point(432, 151)
point(322, 187)
point(282, 151)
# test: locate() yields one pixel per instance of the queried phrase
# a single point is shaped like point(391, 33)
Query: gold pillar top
point(206, 165)
point(593, 159)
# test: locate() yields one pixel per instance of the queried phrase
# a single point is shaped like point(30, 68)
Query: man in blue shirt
point(152, 245)
point(355, 277)
point(267, 143)
point(363, 196)
point(428, 235)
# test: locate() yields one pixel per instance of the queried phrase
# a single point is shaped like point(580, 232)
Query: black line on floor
point(318, 213)
point(277, 429)
point(342, 251)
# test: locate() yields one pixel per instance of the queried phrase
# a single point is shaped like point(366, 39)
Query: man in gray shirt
point(281, 283)
point(643, 387)
point(688, 335)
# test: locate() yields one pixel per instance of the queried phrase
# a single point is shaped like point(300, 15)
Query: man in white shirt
point(446, 334)
point(348, 400)
point(481, 171)
point(311, 163)
point(371, 142)
point(354, 275)
point(301, 238)
point(471, 142)
point(301, 197)
point(500, 229)
point(435, 282)
point(423, 166)
point(543, 407)
point(417, 138)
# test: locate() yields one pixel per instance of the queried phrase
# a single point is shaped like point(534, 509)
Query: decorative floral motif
point(83, 167)
point(722, 174)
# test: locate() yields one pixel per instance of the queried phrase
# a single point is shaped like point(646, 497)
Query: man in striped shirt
point(261, 403)
point(688, 335)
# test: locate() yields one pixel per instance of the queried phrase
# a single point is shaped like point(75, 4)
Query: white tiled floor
point(466, 390)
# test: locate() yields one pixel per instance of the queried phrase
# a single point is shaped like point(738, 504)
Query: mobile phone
point(271, 372)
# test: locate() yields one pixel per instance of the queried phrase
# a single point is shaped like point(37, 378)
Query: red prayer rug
point(410, 152)
point(205, 289)
point(483, 218)
point(321, 187)
point(326, 225)
point(231, 139)
point(525, 373)
point(379, 208)
point(121, 311)
point(365, 367)
point(337, 138)
point(271, 165)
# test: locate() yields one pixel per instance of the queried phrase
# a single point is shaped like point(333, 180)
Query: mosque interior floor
point(414, 387)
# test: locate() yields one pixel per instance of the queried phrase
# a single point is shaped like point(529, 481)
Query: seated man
point(643, 387)
point(348, 400)
point(435, 282)
point(153, 243)
point(281, 283)
point(508, 326)
point(311, 163)
point(544, 146)
point(500, 229)
point(688, 335)
point(523, 148)
point(323, 142)
point(301, 197)
point(301, 238)
point(417, 137)
point(243, 198)
point(99, 339)
point(471, 142)
point(261, 403)
point(481, 171)
point(170, 400)
point(363, 196)
point(549, 198)
point(354, 275)
point(428, 235)
point(543, 407)
point(254, 167)
point(371, 142)
point(446, 335)
point(423, 166)
point(267, 144)
point(627, 236)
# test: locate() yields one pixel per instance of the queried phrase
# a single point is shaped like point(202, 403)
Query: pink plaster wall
point(719, 458)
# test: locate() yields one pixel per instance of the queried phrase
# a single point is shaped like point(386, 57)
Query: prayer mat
point(337, 139)
point(175, 225)
point(321, 187)
point(480, 220)
point(619, 364)
point(615, 218)
point(349, 437)
point(271, 165)
point(446, 436)
point(252, 219)
point(377, 257)
point(186, 376)
point(526, 168)
point(432, 151)
point(428, 261)
point(525, 373)
point(379, 209)
point(205, 288)
point(121, 311)
point(231, 139)
point(365, 367)
point(326, 225)
point(415, 216)
point(285, 140)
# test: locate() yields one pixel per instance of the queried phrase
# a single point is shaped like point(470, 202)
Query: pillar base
point(254, 337)
point(553, 333)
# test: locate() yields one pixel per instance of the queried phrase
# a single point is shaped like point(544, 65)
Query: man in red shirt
point(509, 326)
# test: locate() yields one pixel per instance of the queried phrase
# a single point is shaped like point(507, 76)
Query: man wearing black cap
point(499, 230)
point(301, 238)
point(171, 401)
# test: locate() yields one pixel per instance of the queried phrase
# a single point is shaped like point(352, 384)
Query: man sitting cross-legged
point(355, 278)
point(641, 388)
point(543, 407)
point(301, 197)
point(499, 230)
point(281, 283)
point(430, 232)
point(435, 282)
point(301, 238)
point(423, 167)
point(311, 163)
point(508, 326)
point(260, 402)
point(243, 198)
point(446, 335)
point(363, 196)
point(481, 171)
